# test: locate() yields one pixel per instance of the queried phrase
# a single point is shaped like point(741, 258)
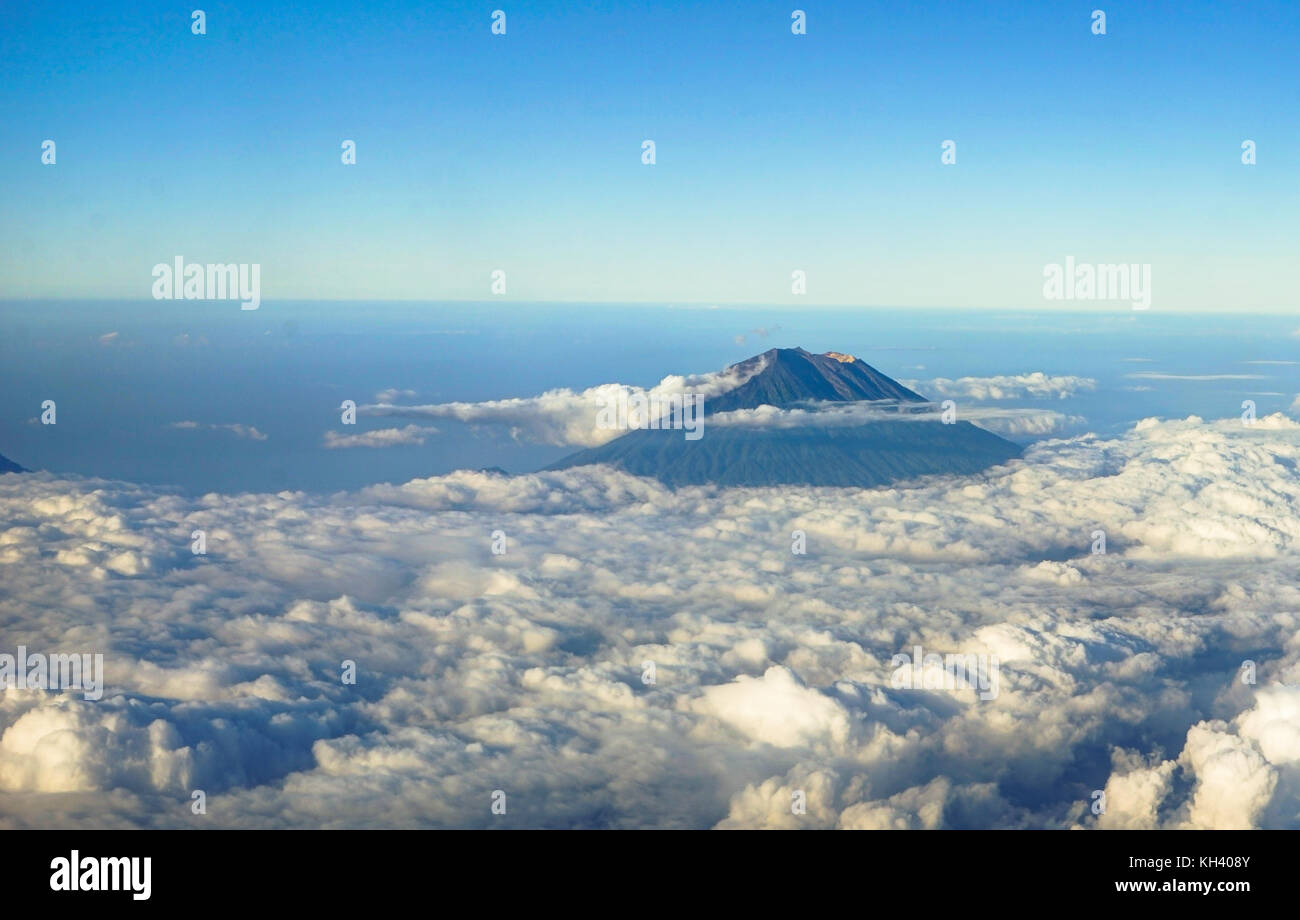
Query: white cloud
point(1010, 386)
point(238, 430)
point(777, 709)
point(834, 414)
point(1234, 781)
point(522, 671)
point(392, 393)
point(1152, 375)
point(564, 416)
point(380, 437)
point(1025, 422)
point(1134, 792)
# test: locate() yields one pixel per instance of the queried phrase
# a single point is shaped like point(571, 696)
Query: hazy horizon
point(218, 399)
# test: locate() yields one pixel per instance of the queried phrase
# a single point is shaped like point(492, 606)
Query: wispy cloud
point(1153, 375)
point(1012, 386)
point(238, 430)
point(834, 415)
point(387, 396)
point(380, 437)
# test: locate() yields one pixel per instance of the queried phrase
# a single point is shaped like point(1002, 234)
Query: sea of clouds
point(522, 672)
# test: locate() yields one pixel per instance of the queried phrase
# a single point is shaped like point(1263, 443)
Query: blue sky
point(774, 152)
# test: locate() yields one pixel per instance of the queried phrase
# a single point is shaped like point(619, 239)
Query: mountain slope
point(8, 466)
point(874, 453)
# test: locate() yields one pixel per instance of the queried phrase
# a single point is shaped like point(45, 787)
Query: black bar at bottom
point(332, 869)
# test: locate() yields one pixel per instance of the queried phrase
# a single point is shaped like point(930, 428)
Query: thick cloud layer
point(643, 657)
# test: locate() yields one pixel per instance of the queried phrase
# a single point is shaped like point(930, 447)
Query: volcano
point(902, 439)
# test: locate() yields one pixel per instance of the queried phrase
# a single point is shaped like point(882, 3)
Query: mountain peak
point(787, 377)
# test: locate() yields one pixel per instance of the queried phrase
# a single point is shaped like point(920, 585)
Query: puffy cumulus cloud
point(1133, 793)
point(1234, 782)
point(640, 656)
point(1244, 773)
point(380, 437)
point(934, 805)
point(1274, 724)
point(568, 417)
point(1006, 386)
point(777, 709)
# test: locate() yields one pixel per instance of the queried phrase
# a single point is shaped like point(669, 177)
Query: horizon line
point(1118, 309)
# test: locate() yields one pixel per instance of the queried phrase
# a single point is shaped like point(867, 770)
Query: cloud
point(238, 430)
point(1157, 376)
point(831, 414)
point(523, 671)
point(1015, 386)
point(564, 416)
point(387, 396)
point(761, 332)
point(109, 338)
point(1026, 422)
point(823, 414)
point(777, 709)
point(380, 437)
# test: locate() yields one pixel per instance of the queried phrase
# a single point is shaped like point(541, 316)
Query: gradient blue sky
point(775, 152)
